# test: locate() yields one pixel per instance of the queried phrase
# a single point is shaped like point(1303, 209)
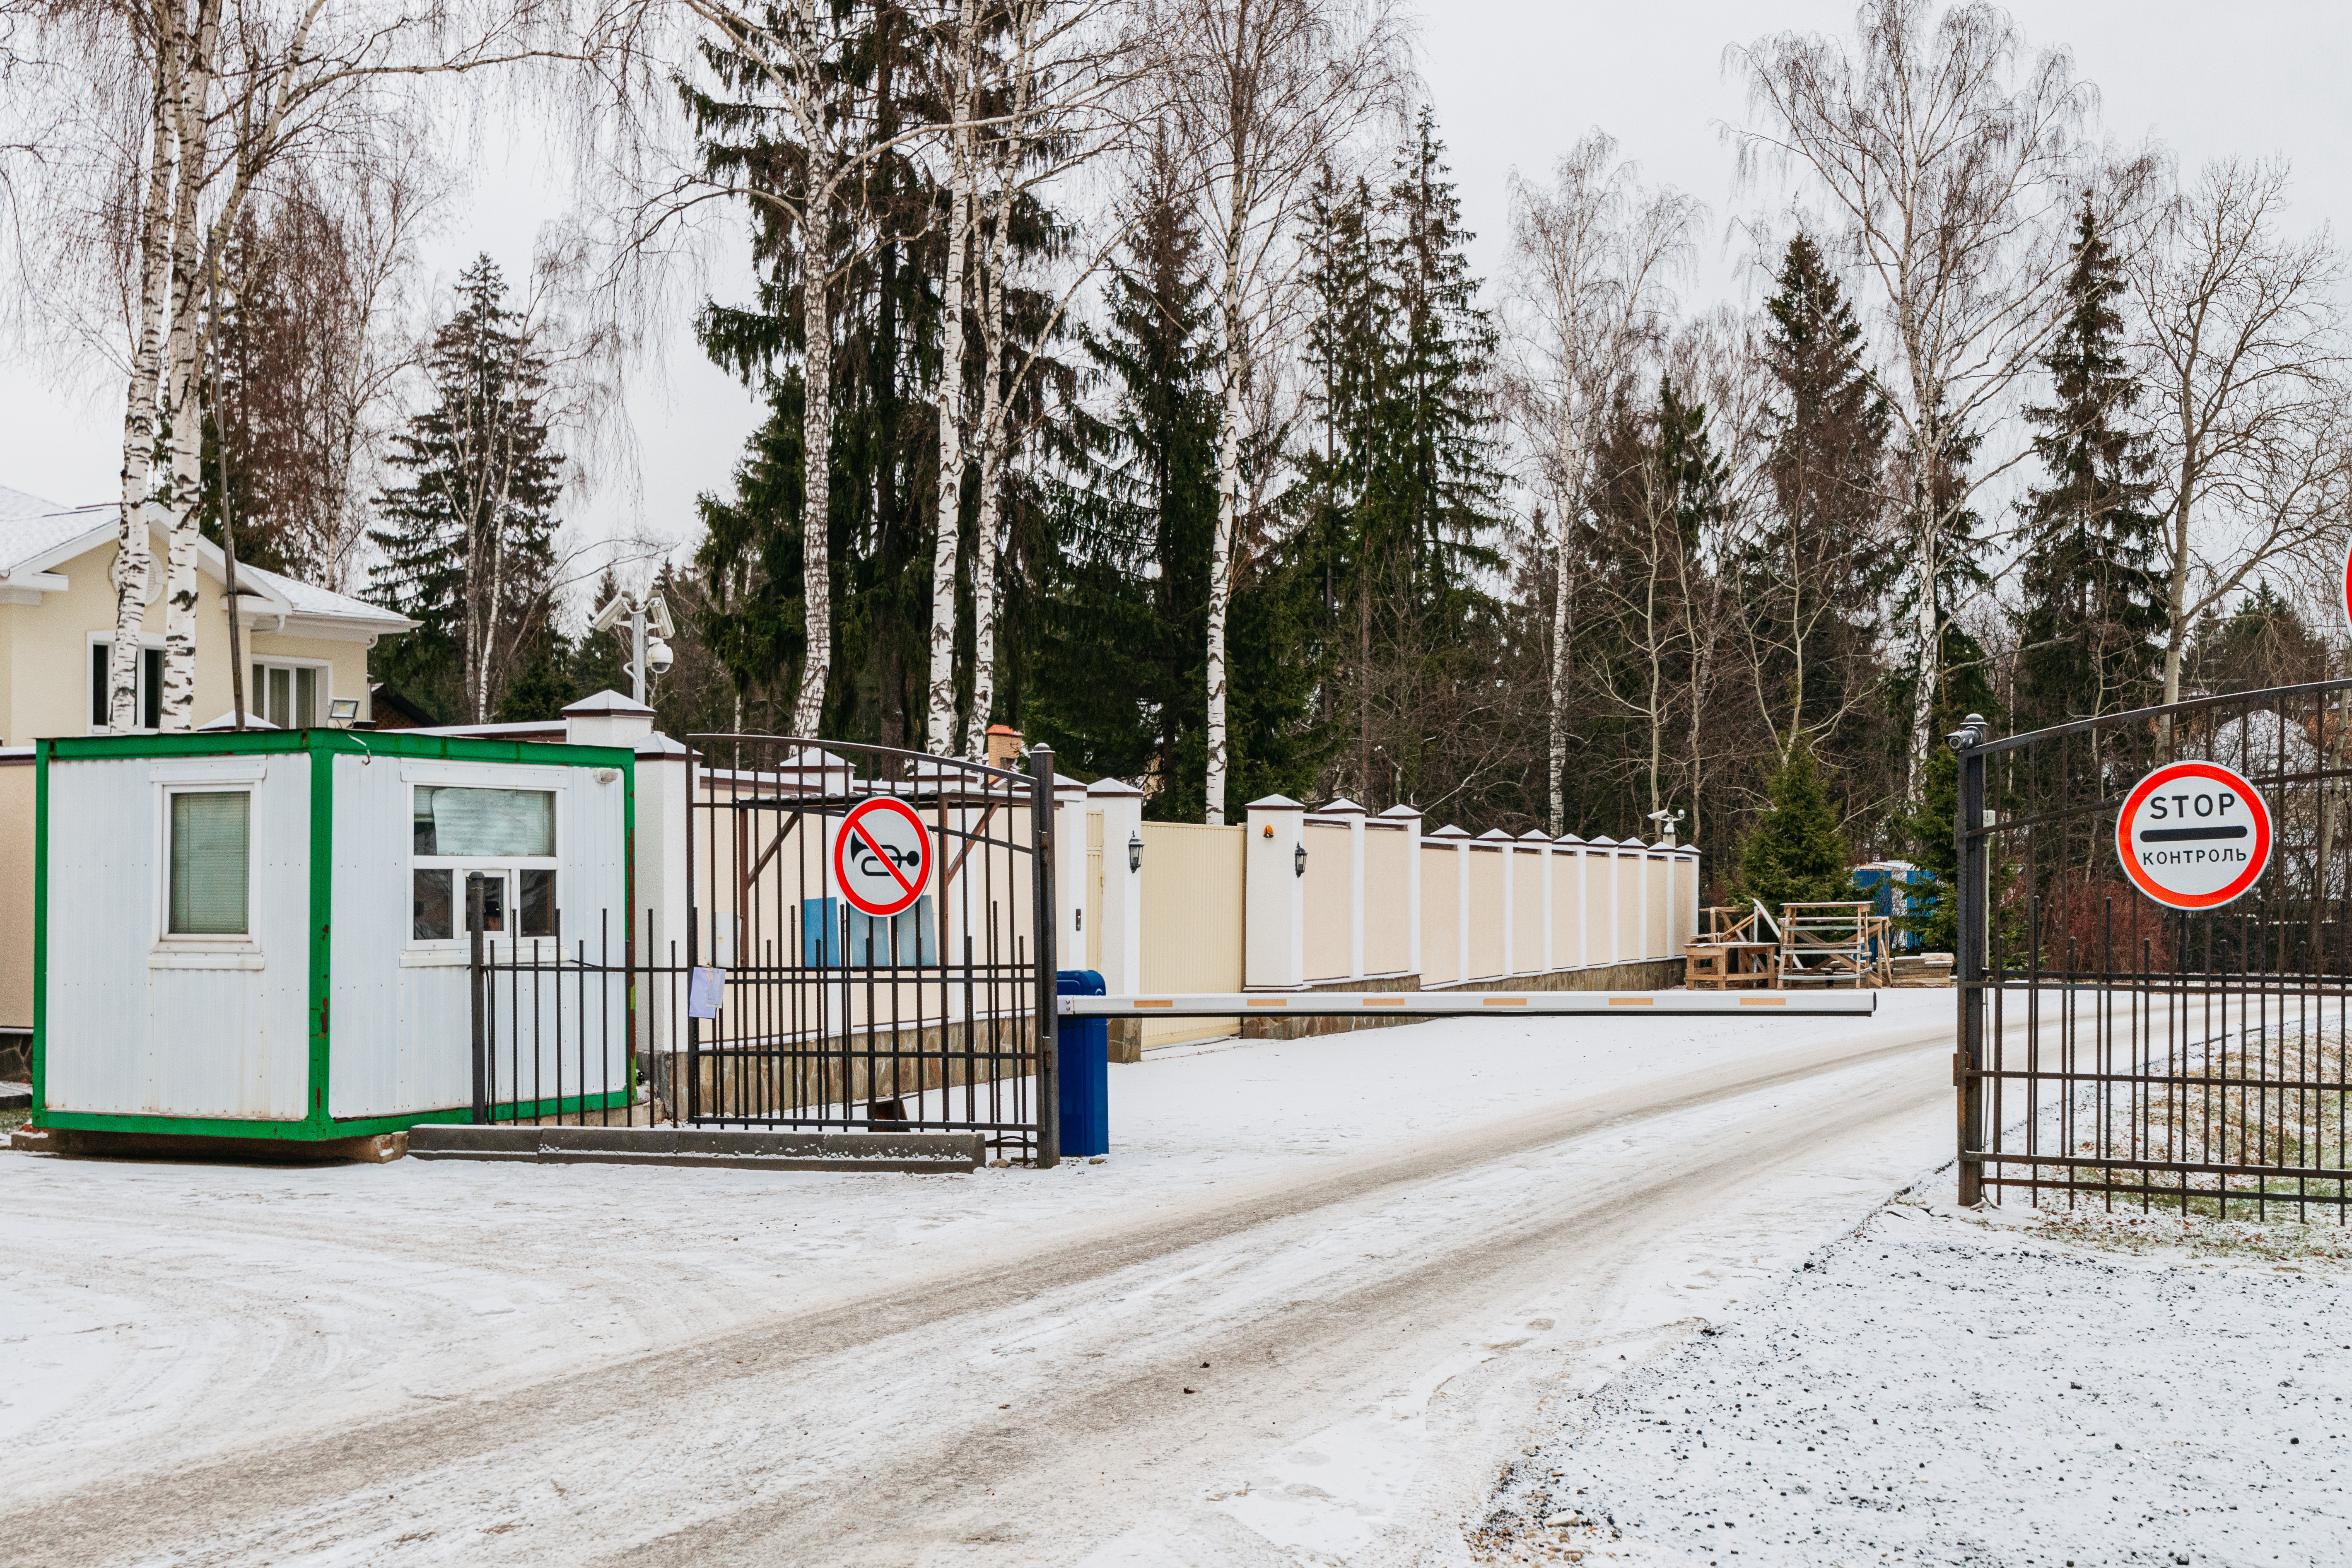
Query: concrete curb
point(915, 1153)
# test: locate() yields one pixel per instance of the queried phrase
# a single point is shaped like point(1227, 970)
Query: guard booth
point(265, 934)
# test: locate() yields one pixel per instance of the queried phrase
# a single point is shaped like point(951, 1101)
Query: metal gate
point(2114, 1050)
point(937, 1017)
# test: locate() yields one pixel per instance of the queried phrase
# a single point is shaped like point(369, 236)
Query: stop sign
point(2193, 836)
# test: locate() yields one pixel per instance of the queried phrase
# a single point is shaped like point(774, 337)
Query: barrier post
point(1083, 1044)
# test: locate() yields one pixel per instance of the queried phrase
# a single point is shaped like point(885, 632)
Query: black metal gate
point(937, 1017)
point(2113, 1049)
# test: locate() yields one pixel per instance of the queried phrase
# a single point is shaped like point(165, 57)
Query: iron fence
point(937, 1015)
point(2116, 1050)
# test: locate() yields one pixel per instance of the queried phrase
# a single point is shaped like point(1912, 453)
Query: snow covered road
point(1318, 1296)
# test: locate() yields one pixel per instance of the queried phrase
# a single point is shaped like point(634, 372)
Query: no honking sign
point(881, 856)
point(2193, 836)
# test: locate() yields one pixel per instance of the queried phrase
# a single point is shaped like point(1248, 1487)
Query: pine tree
point(1816, 572)
point(1403, 505)
point(468, 541)
point(2094, 605)
point(1795, 853)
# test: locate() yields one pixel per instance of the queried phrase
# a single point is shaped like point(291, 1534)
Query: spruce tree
point(1816, 572)
point(1794, 853)
point(468, 540)
point(2093, 604)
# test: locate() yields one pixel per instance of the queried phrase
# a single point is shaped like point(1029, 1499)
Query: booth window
point(149, 703)
point(289, 696)
point(211, 844)
point(498, 841)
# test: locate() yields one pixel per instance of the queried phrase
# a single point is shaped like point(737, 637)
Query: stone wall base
point(1643, 974)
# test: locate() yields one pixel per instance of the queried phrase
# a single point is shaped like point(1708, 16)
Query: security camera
point(658, 658)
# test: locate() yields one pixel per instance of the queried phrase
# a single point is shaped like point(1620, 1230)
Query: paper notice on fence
point(704, 989)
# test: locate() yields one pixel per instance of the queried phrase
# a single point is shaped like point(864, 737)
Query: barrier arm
point(1471, 1005)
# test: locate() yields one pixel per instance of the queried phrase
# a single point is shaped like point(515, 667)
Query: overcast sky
point(1514, 83)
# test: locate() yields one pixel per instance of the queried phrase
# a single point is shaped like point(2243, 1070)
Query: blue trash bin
point(1083, 1056)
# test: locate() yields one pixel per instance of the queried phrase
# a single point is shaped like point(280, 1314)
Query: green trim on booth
point(322, 747)
point(232, 1127)
point(323, 914)
point(40, 919)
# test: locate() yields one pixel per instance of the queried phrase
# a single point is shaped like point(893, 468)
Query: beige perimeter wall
point(1192, 937)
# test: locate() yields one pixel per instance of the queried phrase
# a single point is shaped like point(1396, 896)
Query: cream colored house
point(304, 646)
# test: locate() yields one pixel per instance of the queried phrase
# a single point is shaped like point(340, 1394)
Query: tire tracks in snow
point(734, 1486)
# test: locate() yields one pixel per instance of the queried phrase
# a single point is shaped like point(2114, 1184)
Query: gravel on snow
point(1933, 1389)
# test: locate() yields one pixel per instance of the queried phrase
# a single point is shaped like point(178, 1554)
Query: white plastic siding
point(401, 1036)
point(134, 1031)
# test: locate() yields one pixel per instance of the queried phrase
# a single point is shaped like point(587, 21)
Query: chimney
point(1003, 745)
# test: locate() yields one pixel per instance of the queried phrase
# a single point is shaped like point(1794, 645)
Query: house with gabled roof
point(305, 647)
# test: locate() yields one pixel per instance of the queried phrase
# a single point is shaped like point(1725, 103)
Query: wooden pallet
point(1710, 966)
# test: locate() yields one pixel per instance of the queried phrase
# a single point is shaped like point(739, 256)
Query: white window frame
point(457, 947)
point(256, 702)
point(219, 775)
point(148, 642)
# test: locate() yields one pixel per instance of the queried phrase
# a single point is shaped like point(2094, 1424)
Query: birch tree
point(1948, 160)
point(1263, 93)
point(963, 56)
point(2242, 350)
point(238, 93)
point(1072, 80)
point(1592, 261)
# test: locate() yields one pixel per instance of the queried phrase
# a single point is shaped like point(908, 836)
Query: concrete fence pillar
point(1274, 896)
point(1121, 916)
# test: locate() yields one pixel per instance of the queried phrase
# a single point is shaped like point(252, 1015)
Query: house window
point(148, 704)
point(211, 841)
point(290, 696)
point(498, 842)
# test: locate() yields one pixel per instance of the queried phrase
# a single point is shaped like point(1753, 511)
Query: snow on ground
point(1949, 1388)
point(160, 1312)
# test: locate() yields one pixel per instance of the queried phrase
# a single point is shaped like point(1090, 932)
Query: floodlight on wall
point(1298, 861)
point(343, 711)
point(1135, 850)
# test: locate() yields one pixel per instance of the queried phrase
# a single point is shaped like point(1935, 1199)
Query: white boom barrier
point(1473, 1004)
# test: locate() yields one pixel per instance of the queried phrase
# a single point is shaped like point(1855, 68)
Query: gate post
point(1971, 914)
point(476, 983)
point(1042, 804)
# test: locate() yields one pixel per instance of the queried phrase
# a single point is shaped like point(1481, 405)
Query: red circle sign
point(2193, 836)
point(2347, 585)
point(881, 856)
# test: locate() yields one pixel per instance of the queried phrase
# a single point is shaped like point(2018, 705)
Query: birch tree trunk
point(992, 284)
point(941, 728)
point(177, 708)
point(134, 562)
point(1557, 752)
point(816, 441)
point(1231, 349)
